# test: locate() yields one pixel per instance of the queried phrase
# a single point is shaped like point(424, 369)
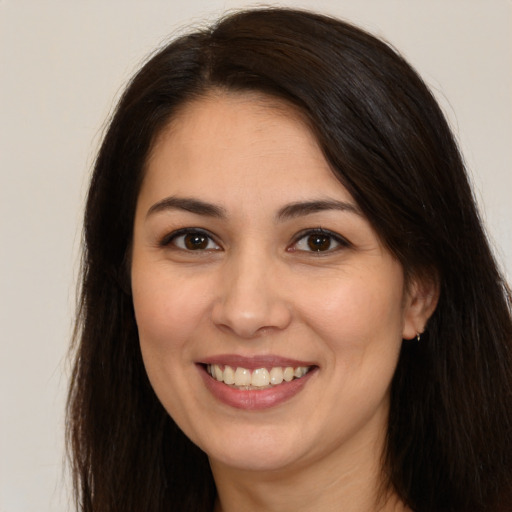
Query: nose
point(252, 298)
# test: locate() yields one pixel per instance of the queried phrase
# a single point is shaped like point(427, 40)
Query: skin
point(257, 288)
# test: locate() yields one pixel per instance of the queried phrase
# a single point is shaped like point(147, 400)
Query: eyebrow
point(189, 205)
point(299, 209)
point(290, 211)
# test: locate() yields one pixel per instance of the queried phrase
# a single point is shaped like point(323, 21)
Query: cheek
point(166, 310)
point(356, 311)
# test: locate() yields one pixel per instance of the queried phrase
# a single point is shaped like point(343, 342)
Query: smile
point(255, 383)
point(259, 378)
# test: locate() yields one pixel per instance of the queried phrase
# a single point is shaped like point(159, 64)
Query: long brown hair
point(449, 442)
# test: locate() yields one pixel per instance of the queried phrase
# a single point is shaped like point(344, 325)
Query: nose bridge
point(251, 297)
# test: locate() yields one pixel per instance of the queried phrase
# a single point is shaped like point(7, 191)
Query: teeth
point(242, 376)
point(229, 375)
point(276, 376)
point(218, 373)
point(288, 374)
point(300, 372)
point(259, 378)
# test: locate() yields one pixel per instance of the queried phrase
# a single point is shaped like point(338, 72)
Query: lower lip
point(254, 399)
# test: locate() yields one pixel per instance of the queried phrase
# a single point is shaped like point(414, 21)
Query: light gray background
point(62, 64)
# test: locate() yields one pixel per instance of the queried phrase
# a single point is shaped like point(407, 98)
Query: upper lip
point(255, 362)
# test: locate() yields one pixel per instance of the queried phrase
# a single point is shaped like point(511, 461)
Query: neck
point(345, 479)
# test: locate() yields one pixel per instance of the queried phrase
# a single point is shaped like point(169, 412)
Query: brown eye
point(192, 241)
point(320, 240)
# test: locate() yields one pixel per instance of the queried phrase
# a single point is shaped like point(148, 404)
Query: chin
point(260, 450)
point(254, 460)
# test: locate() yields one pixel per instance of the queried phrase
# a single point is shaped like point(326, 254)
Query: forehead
point(222, 144)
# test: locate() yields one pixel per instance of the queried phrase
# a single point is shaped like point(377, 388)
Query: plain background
point(63, 63)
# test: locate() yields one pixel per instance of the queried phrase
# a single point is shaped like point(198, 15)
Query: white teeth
point(276, 376)
point(300, 372)
point(259, 378)
point(229, 375)
point(288, 374)
point(242, 377)
point(218, 373)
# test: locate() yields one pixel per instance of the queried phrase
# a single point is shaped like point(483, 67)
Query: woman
point(288, 301)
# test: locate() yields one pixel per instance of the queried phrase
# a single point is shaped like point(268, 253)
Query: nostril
point(251, 318)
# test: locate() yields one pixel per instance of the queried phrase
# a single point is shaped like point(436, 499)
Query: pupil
point(319, 242)
point(196, 241)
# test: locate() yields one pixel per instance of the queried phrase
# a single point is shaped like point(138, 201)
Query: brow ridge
point(302, 208)
point(287, 212)
point(187, 204)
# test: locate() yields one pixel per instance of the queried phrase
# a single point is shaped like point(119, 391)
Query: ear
point(420, 302)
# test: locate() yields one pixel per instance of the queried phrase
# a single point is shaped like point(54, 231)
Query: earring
point(418, 336)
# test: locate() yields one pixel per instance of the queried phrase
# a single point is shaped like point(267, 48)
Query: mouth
point(256, 379)
point(255, 383)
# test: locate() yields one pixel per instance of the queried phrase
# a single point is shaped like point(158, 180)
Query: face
point(251, 262)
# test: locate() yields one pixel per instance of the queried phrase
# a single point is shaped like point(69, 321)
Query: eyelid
point(167, 240)
point(340, 240)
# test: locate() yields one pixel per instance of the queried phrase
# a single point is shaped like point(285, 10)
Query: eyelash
point(320, 232)
point(175, 235)
point(332, 237)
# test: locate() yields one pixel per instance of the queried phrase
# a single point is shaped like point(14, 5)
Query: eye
point(319, 240)
point(191, 240)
